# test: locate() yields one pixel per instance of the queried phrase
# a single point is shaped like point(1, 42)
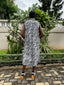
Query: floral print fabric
point(31, 53)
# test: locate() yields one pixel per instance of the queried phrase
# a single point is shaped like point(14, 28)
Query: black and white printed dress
point(31, 53)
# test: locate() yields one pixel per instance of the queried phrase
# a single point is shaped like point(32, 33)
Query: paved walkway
point(49, 74)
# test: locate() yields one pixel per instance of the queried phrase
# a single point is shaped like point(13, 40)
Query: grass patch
point(58, 56)
point(55, 56)
point(58, 51)
point(3, 51)
point(46, 57)
point(5, 57)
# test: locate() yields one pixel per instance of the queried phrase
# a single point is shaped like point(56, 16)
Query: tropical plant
point(21, 16)
point(63, 22)
point(45, 19)
point(47, 24)
point(44, 43)
point(15, 42)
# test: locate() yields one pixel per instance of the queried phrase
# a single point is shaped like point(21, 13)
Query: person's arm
point(41, 32)
point(23, 32)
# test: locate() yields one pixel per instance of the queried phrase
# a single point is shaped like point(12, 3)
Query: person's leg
point(33, 68)
point(23, 69)
point(23, 72)
point(33, 73)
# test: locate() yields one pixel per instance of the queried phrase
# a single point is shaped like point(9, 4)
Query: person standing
point(31, 33)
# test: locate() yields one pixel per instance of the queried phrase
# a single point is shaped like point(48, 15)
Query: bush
point(45, 20)
point(47, 24)
point(15, 41)
point(63, 22)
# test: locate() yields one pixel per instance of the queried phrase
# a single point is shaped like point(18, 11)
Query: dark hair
point(32, 14)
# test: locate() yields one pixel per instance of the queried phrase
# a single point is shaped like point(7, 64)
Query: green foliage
point(45, 5)
point(3, 51)
point(47, 24)
point(15, 42)
point(7, 8)
point(44, 42)
point(57, 6)
point(44, 19)
point(58, 51)
point(63, 22)
point(8, 58)
point(21, 16)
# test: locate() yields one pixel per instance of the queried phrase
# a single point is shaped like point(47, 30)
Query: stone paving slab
point(49, 74)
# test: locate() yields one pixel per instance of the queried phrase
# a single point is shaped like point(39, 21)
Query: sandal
point(22, 75)
point(33, 75)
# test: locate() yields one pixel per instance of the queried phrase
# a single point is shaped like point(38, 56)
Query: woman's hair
point(32, 14)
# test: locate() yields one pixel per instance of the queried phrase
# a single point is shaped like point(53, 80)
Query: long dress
point(31, 53)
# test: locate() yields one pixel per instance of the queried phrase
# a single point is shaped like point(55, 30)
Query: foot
point(33, 75)
point(22, 75)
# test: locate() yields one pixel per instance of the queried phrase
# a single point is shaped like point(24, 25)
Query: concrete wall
point(55, 38)
point(4, 32)
point(3, 41)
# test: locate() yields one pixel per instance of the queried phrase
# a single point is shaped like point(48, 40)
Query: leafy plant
point(7, 8)
point(47, 24)
point(21, 16)
point(14, 39)
point(56, 4)
point(45, 19)
point(45, 5)
point(15, 42)
point(63, 22)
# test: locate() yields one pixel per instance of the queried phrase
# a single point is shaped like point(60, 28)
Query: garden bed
point(16, 59)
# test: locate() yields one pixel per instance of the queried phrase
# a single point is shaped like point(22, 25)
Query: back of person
point(32, 41)
point(31, 54)
point(32, 30)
